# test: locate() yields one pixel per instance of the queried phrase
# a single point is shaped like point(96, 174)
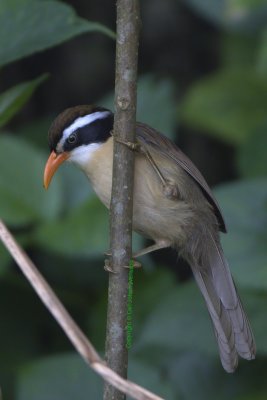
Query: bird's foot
point(132, 264)
point(108, 266)
point(135, 146)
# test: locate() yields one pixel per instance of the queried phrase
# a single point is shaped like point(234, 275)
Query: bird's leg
point(133, 264)
point(161, 244)
point(170, 189)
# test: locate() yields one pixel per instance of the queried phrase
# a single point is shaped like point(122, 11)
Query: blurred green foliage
point(236, 15)
point(65, 230)
point(13, 99)
point(230, 104)
point(38, 25)
point(23, 200)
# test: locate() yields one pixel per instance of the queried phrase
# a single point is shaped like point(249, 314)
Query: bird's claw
point(132, 264)
point(108, 267)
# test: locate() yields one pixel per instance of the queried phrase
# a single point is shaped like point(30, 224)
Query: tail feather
point(232, 329)
point(220, 319)
point(244, 338)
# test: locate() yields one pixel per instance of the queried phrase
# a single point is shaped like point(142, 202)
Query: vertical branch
point(122, 188)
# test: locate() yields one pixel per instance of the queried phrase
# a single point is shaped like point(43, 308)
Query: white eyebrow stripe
point(79, 123)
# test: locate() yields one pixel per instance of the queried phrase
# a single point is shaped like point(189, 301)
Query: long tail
point(231, 326)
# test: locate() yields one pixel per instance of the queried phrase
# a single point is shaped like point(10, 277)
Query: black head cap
point(99, 130)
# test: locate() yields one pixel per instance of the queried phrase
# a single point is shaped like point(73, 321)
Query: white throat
point(82, 155)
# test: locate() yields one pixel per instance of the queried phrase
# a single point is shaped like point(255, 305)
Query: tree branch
point(71, 329)
point(128, 22)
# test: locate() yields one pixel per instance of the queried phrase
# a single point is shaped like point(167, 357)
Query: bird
point(172, 205)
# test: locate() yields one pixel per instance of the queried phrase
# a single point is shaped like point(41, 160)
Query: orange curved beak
point(52, 164)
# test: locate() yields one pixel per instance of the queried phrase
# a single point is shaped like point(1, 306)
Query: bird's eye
point(72, 138)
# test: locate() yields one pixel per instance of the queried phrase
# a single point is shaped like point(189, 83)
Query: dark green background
point(202, 82)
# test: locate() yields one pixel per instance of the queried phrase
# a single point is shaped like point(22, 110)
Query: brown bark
point(128, 22)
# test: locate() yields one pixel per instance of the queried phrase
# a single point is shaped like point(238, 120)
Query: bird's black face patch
point(66, 118)
point(97, 131)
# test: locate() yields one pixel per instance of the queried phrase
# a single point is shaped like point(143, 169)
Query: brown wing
point(150, 137)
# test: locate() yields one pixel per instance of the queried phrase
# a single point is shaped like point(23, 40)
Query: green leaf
point(214, 10)
point(247, 257)
point(235, 15)
point(59, 377)
point(146, 289)
point(35, 131)
point(262, 54)
point(30, 26)
point(157, 95)
point(151, 378)
point(67, 377)
point(153, 95)
point(24, 240)
point(76, 186)
point(244, 206)
point(230, 104)
point(239, 50)
point(14, 99)
point(20, 332)
point(83, 232)
point(255, 302)
point(256, 144)
point(179, 322)
point(189, 370)
point(23, 199)
point(198, 377)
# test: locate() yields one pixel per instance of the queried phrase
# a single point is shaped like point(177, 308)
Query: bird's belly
point(154, 215)
point(164, 221)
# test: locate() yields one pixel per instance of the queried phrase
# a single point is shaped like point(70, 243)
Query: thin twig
point(63, 318)
point(128, 22)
